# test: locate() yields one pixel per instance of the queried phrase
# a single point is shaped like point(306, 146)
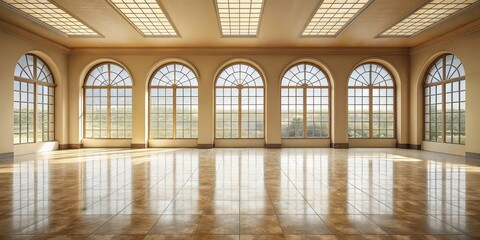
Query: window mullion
point(109, 125)
point(34, 101)
point(174, 112)
point(444, 118)
point(304, 112)
point(370, 108)
point(239, 112)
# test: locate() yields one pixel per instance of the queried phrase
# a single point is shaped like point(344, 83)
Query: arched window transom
point(108, 102)
point(445, 97)
point(174, 103)
point(34, 101)
point(371, 102)
point(305, 102)
point(239, 103)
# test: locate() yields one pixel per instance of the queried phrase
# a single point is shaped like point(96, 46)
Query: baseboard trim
point(472, 155)
point(138, 145)
point(273, 146)
point(76, 146)
point(63, 146)
point(7, 155)
point(415, 146)
point(205, 146)
point(402, 145)
point(340, 145)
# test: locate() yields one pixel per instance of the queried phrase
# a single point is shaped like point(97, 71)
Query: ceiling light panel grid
point(239, 18)
point(53, 17)
point(433, 12)
point(333, 16)
point(147, 16)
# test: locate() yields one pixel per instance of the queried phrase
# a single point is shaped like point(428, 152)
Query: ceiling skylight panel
point(147, 16)
point(239, 17)
point(333, 16)
point(51, 16)
point(433, 12)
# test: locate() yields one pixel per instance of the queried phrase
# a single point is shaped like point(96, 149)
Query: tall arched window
point(305, 102)
point(239, 103)
point(108, 102)
point(34, 101)
point(174, 102)
point(371, 102)
point(445, 101)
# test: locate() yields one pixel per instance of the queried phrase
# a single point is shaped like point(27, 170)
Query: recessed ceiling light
point(147, 16)
point(239, 18)
point(333, 16)
point(52, 16)
point(433, 12)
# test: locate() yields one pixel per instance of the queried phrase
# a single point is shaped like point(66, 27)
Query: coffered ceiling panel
point(281, 23)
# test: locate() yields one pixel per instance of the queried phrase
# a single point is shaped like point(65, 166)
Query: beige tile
point(256, 207)
point(303, 225)
point(221, 207)
point(367, 237)
point(116, 237)
point(262, 237)
point(311, 237)
point(44, 237)
point(185, 207)
point(217, 237)
point(219, 224)
point(176, 225)
point(412, 224)
point(128, 224)
point(292, 207)
point(259, 225)
point(169, 237)
point(75, 224)
point(352, 224)
point(238, 193)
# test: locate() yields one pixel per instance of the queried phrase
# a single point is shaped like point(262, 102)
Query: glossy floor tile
point(239, 194)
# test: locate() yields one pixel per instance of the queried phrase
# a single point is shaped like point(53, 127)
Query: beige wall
point(467, 49)
point(407, 65)
point(142, 62)
point(12, 47)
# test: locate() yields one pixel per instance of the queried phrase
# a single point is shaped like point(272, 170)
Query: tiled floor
point(240, 194)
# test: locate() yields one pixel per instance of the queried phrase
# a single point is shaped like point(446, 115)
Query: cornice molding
point(246, 51)
point(25, 34)
point(458, 32)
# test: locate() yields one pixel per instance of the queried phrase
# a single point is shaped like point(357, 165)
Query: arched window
point(239, 103)
point(445, 101)
point(174, 102)
point(371, 102)
point(305, 102)
point(34, 101)
point(108, 102)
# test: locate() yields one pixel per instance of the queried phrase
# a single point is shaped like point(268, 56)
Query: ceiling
point(281, 25)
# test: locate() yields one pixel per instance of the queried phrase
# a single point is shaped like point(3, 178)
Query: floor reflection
point(280, 193)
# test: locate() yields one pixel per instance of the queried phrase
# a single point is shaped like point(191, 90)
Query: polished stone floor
point(239, 194)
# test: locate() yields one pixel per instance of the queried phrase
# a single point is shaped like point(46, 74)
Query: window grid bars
point(33, 84)
point(108, 89)
point(370, 120)
point(241, 83)
point(173, 84)
point(428, 94)
point(306, 84)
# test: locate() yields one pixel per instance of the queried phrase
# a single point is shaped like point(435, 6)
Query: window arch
point(173, 102)
point(239, 103)
point(305, 102)
point(108, 102)
point(371, 102)
point(445, 92)
point(34, 101)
